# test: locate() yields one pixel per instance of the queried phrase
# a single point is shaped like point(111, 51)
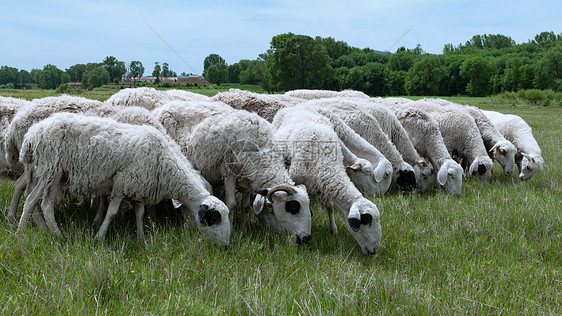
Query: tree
point(165, 70)
point(298, 62)
point(114, 67)
point(24, 77)
point(49, 77)
point(136, 69)
point(156, 72)
point(211, 60)
point(76, 72)
point(424, 78)
point(549, 69)
point(8, 75)
point(95, 77)
point(478, 72)
point(254, 72)
point(217, 73)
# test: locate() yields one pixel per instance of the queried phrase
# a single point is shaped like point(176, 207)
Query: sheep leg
point(21, 184)
point(30, 205)
point(230, 195)
point(333, 227)
point(37, 214)
point(112, 210)
point(48, 206)
point(101, 202)
point(139, 212)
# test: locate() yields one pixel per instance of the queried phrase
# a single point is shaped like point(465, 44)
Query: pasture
point(495, 249)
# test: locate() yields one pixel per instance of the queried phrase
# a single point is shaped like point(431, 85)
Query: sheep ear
point(442, 175)
point(379, 172)
point(526, 156)
point(417, 172)
point(259, 204)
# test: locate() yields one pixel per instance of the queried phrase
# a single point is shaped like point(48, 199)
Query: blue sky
point(64, 32)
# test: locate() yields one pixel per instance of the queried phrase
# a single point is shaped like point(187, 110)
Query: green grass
point(496, 249)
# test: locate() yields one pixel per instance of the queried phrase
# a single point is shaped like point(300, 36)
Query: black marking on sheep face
point(262, 192)
point(292, 206)
point(481, 169)
point(366, 219)
point(208, 216)
point(354, 223)
point(406, 180)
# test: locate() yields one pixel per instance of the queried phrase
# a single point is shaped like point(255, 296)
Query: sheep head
point(363, 221)
point(291, 207)
point(504, 152)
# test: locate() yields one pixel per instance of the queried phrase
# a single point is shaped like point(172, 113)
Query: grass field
point(496, 249)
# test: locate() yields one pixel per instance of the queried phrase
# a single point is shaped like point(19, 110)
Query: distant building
point(190, 79)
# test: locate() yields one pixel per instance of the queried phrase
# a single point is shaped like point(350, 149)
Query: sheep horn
point(281, 187)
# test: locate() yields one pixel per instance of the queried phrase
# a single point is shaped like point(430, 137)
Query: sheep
point(382, 129)
point(150, 98)
point(265, 105)
point(42, 108)
point(462, 138)
point(320, 94)
point(528, 157)
point(306, 135)
point(497, 146)
point(235, 147)
point(423, 131)
point(85, 155)
point(8, 108)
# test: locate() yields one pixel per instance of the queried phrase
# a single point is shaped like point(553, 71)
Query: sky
point(182, 33)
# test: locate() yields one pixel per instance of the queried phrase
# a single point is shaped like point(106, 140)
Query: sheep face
point(212, 220)
point(504, 152)
point(450, 177)
point(263, 209)
point(406, 178)
point(530, 164)
point(368, 179)
point(363, 222)
point(481, 167)
point(291, 207)
point(424, 175)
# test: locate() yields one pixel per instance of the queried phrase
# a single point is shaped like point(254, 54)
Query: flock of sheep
point(212, 156)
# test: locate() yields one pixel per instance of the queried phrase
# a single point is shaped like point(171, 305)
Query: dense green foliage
point(493, 250)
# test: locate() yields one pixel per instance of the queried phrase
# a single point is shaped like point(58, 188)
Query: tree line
point(90, 75)
point(485, 65)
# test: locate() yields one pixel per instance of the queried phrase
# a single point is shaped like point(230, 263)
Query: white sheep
point(8, 108)
point(380, 127)
point(314, 153)
point(321, 94)
point(528, 158)
point(265, 105)
point(84, 155)
point(462, 138)
point(150, 98)
point(235, 147)
point(40, 109)
point(497, 146)
point(423, 131)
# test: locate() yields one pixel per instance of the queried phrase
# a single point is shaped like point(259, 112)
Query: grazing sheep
point(265, 105)
point(423, 131)
point(235, 147)
point(528, 158)
point(462, 138)
point(314, 154)
point(377, 124)
point(8, 108)
point(497, 146)
point(321, 94)
point(84, 155)
point(40, 109)
point(150, 98)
